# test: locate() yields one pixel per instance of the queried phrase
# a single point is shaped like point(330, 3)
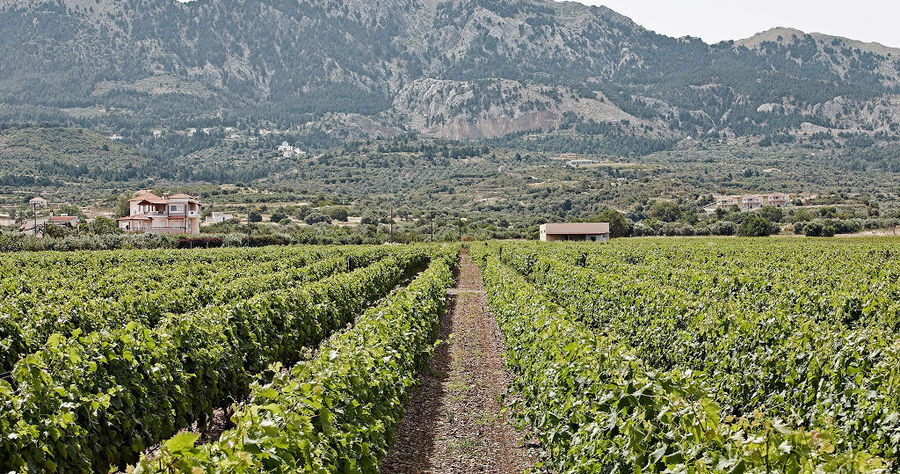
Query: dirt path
point(453, 422)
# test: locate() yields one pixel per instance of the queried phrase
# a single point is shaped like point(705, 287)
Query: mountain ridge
point(460, 69)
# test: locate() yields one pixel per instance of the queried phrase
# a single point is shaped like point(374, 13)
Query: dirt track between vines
point(454, 421)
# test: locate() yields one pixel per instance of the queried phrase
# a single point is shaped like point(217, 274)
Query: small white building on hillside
point(749, 202)
point(217, 217)
point(584, 231)
point(38, 202)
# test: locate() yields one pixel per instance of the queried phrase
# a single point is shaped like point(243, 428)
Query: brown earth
point(455, 421)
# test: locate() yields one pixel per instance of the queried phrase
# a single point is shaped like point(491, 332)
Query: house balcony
point(167, 230)
point(190, 214)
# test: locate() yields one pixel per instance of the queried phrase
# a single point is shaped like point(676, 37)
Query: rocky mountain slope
point(461, 69)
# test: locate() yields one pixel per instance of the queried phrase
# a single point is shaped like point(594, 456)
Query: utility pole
point(432, 226)
point(248, 225)
point(34, 215)
point(392, 223)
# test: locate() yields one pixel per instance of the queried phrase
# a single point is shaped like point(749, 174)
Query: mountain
point(460, 69)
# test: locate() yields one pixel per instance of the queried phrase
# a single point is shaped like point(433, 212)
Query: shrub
point(755, 225)
point(337, 213)
point(812, 229)
point(233, 240)
point(723, 228)
point(315, 218)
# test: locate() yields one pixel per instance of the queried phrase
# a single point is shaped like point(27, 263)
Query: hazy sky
point(717, 20)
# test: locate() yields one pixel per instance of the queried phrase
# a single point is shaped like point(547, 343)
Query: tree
point(812, 229)
point(254, 216)
point(802, 215)
point(338, 213)
point(756, 226)
point(315, 218)
point(618, 225)
point(278, 216)
point(774, 214)
point(55, 231)
point(123, 207)
point(104, 225)
point(666, 211)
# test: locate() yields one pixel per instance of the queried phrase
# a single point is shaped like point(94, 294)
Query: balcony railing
point(173, 214)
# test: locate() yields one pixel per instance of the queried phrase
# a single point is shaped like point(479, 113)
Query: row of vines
point(108, 354)
point(704, 355)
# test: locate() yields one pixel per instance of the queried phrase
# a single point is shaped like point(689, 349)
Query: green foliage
point(315, 218)
point(774, 214)
point(666, 211)
point(613, 382)
point(336, 412)
point(89, 399)
point(788, 329)
point(337, 213)
point(618, 225)
point(755, 225)
point(278, 216)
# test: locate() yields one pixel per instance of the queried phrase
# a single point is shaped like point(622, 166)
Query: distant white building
point(217, 217)
point(776, 200)
point(38, 201)
point(580, 163)
point(749, 202)
point(725, 202)
point(287, 150)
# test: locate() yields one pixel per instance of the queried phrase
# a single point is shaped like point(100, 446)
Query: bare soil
point(455, 421)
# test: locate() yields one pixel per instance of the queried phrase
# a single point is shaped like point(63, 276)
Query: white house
point(149, 213)
point(586, 231)
point(580, 163)
point(38, 202)
point(776, 200)
point(750, 202)
point(217, 217)
point(724, 202)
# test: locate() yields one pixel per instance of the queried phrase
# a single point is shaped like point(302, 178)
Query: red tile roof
point(149, 197)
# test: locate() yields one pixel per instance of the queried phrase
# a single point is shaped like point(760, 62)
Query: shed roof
point(578, 228)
